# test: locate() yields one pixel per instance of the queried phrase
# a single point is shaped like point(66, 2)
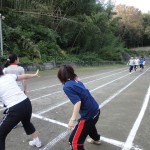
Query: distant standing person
point(131, 64)
point(18, 107)
point(84, 104)
point(142, 63)
point(136, 63)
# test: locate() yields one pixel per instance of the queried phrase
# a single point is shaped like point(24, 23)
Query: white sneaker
point(91, 141)
point(36, 143)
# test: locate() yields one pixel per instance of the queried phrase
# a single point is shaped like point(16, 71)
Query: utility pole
point(1, 35)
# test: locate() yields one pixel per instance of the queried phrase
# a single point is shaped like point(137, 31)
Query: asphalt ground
point(124, 122)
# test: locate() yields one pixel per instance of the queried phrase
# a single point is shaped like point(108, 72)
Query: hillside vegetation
point(72, 30)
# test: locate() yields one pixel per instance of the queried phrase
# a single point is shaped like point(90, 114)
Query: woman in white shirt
point(12, 67)
point(137, 62)
point(131, 64)
point(18, 107)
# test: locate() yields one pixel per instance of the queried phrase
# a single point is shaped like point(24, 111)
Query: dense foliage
point(75, 30)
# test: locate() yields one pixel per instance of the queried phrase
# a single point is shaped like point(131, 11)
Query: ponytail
point(12, 58)
point(7, 63)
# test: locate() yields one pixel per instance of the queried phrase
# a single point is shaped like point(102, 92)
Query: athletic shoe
point(35, 142)
point(91, 141)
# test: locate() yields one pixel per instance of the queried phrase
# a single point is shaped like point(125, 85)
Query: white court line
point(43, 88)
point(81, 79)
point(56, 140)
point(49, 120)
point(2, 109)
point(1, 105)
point(84, 83)
point(45, 95)
point(103, 77)
point(103, 74)
point(121, 90)
point(65, 133)
point(49, 109)
point(110, 141)
point(108, 83)
point(129, 141)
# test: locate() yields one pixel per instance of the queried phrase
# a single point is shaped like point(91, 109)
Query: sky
point(143, 5)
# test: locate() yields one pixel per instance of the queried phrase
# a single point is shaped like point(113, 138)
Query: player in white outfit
point(131, 64)
point(12, 67)
point(136, 63)
point(18, 107)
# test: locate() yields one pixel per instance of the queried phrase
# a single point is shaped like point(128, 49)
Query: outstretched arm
point(28, 76)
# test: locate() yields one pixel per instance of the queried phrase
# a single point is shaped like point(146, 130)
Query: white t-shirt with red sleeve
point(10, 93)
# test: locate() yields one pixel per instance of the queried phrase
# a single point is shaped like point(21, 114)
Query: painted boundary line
point(81, 79)
point(110, 141)
point(65, 133)
point(121, 90)
point(84, 83)
point(130, 139)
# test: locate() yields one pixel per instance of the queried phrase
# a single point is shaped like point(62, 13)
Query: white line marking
point(103, 74)
point(84, 83)
point(108, 83)
point(64, 134)
point(50, 120)
point(113, 142)
point(2, 109)
point(51, 108)
point(45, 95)
point(44, 111)
point(43, 88)
point(129, 141)
point(103, 77)
point(56, 140)
point(81, 79)
point(121, 90)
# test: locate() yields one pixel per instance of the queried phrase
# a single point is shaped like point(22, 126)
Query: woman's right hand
point(71, 124)
point(37, 73)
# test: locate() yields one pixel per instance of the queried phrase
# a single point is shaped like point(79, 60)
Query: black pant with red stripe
point(81, 131)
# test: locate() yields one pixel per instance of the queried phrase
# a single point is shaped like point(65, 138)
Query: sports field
point(123, 98)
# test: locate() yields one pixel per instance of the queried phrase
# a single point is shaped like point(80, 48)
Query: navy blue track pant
point(13, 115)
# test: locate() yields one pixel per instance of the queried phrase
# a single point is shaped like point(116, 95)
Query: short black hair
point(65, 73)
